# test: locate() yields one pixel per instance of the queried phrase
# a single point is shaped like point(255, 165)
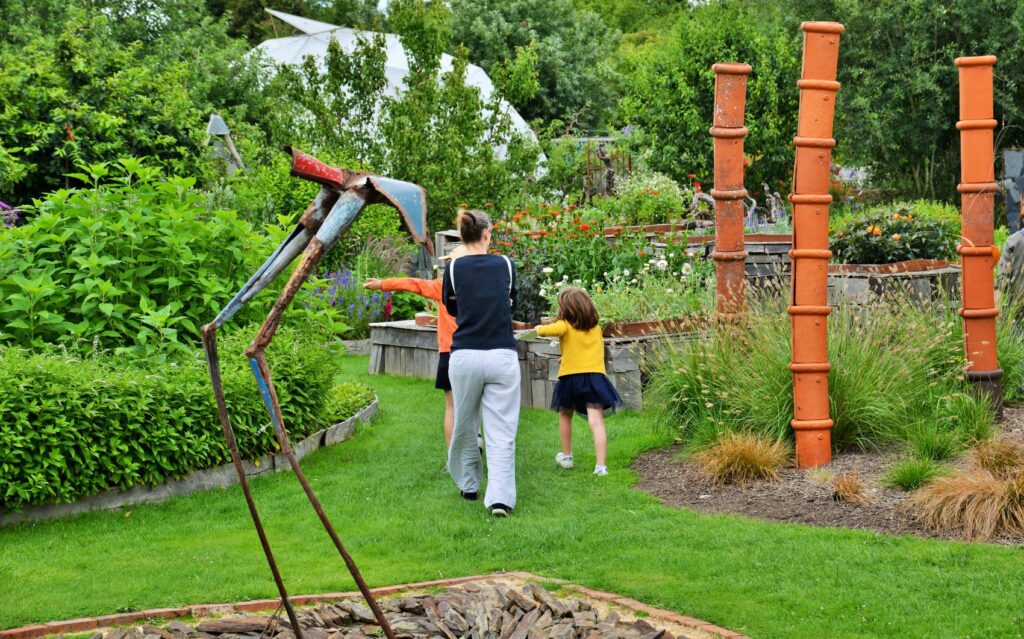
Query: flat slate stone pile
point(471, 611)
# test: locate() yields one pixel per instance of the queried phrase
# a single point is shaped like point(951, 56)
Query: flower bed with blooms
point(631, 278)
point(894, 233)
point(352, 308)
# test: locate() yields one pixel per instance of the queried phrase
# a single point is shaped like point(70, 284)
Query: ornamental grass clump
point(849, 487)
point(975, 503)
point(740, 458)
point(897, 377)
point(913, 473)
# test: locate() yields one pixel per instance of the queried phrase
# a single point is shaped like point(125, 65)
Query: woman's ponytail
point(472, 225)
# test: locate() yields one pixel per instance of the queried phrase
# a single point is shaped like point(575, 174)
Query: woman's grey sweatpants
point(487, 383)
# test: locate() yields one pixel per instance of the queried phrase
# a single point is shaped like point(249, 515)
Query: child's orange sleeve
point(430, 289)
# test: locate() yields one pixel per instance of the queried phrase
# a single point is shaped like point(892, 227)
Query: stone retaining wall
point(405, 349)
point(219, 477)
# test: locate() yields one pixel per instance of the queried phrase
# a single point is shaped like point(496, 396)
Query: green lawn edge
point(403, 521)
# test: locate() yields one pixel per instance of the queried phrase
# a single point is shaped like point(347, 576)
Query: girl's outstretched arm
point(430, 289)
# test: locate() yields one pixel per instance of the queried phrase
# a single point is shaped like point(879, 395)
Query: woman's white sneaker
point(600, 471)
point(563, 460)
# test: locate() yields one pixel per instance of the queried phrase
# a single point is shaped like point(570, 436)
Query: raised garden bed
point(409, 349)
point(926, 281)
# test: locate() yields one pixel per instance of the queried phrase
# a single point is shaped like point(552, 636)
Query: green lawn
point(403, 521)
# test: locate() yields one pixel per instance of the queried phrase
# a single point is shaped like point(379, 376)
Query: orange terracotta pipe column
point(810, 254)
point(728, 131)
point(977, 198)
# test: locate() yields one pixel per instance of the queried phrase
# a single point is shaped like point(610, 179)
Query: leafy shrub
point(906, 231)
point(650, 198)
point(71, 427)
point(345, 400)
point(894, 368)
point(742, 458)
point(911, 474)
point(135, 260)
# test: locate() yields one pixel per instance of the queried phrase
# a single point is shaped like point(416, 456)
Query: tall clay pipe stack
point(810, 254)
point(977, 192)
point(728, 192)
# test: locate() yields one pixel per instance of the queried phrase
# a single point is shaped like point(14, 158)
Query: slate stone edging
point(262, 605)
point(218, 477)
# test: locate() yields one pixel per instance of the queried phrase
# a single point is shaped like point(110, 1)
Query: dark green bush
point(893, 233)
point(71, 427)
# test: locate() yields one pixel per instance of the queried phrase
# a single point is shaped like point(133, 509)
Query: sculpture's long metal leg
point(345, 212)
point(210, 343)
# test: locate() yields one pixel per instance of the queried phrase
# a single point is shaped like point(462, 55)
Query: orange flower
point(464, 205)
point(895, 237)
point(488, 204)
point(516, 218)
point(641, 254)
point(584, 227)
point(553, 212)
point(654, 192)
point(895, 216)
point(542, 232)
point(876, 231)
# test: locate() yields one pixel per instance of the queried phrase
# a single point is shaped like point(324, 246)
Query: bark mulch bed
point(801, 497)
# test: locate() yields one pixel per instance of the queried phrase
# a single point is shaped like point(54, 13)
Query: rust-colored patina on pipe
point(810, 254)
point(728, 131)
point(977, 196)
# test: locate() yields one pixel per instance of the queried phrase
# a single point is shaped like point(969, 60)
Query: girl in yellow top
point(582, 384)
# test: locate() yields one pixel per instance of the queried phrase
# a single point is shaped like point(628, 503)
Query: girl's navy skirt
point(582, 390)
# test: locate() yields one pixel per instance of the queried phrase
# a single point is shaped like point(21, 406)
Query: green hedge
point(72, 427)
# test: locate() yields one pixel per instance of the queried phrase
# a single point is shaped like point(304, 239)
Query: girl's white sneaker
point(563, 460)
point(600, 471)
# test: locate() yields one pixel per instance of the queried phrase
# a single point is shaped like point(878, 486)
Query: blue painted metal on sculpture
point(265, 393)
point(345, 211)
point(410, 200)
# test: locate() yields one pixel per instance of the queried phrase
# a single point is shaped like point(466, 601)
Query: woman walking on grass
point(479, 291)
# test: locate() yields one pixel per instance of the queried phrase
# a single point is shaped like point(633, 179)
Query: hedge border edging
point(92, 623)
point(217, 477)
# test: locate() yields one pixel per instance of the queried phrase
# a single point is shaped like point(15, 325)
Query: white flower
point(577, 282)
point(691, 253)
point(668, 291)
point(548, 270)
point(633, 281)
point(543, 292)
point(565, 278)
point(650, 261)
point(625, 272)
point(662, 265)
point(687, 269)
point(671, 254)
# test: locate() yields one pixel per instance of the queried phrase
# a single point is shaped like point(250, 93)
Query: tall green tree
point(898, 107)
point(437, 132)
point(134, 79)
point(669, 91)
point(572, 49)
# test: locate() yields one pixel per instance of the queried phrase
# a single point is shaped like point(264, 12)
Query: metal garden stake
point(342, 197)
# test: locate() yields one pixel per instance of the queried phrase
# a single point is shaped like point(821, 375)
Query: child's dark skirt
point(582, 390)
